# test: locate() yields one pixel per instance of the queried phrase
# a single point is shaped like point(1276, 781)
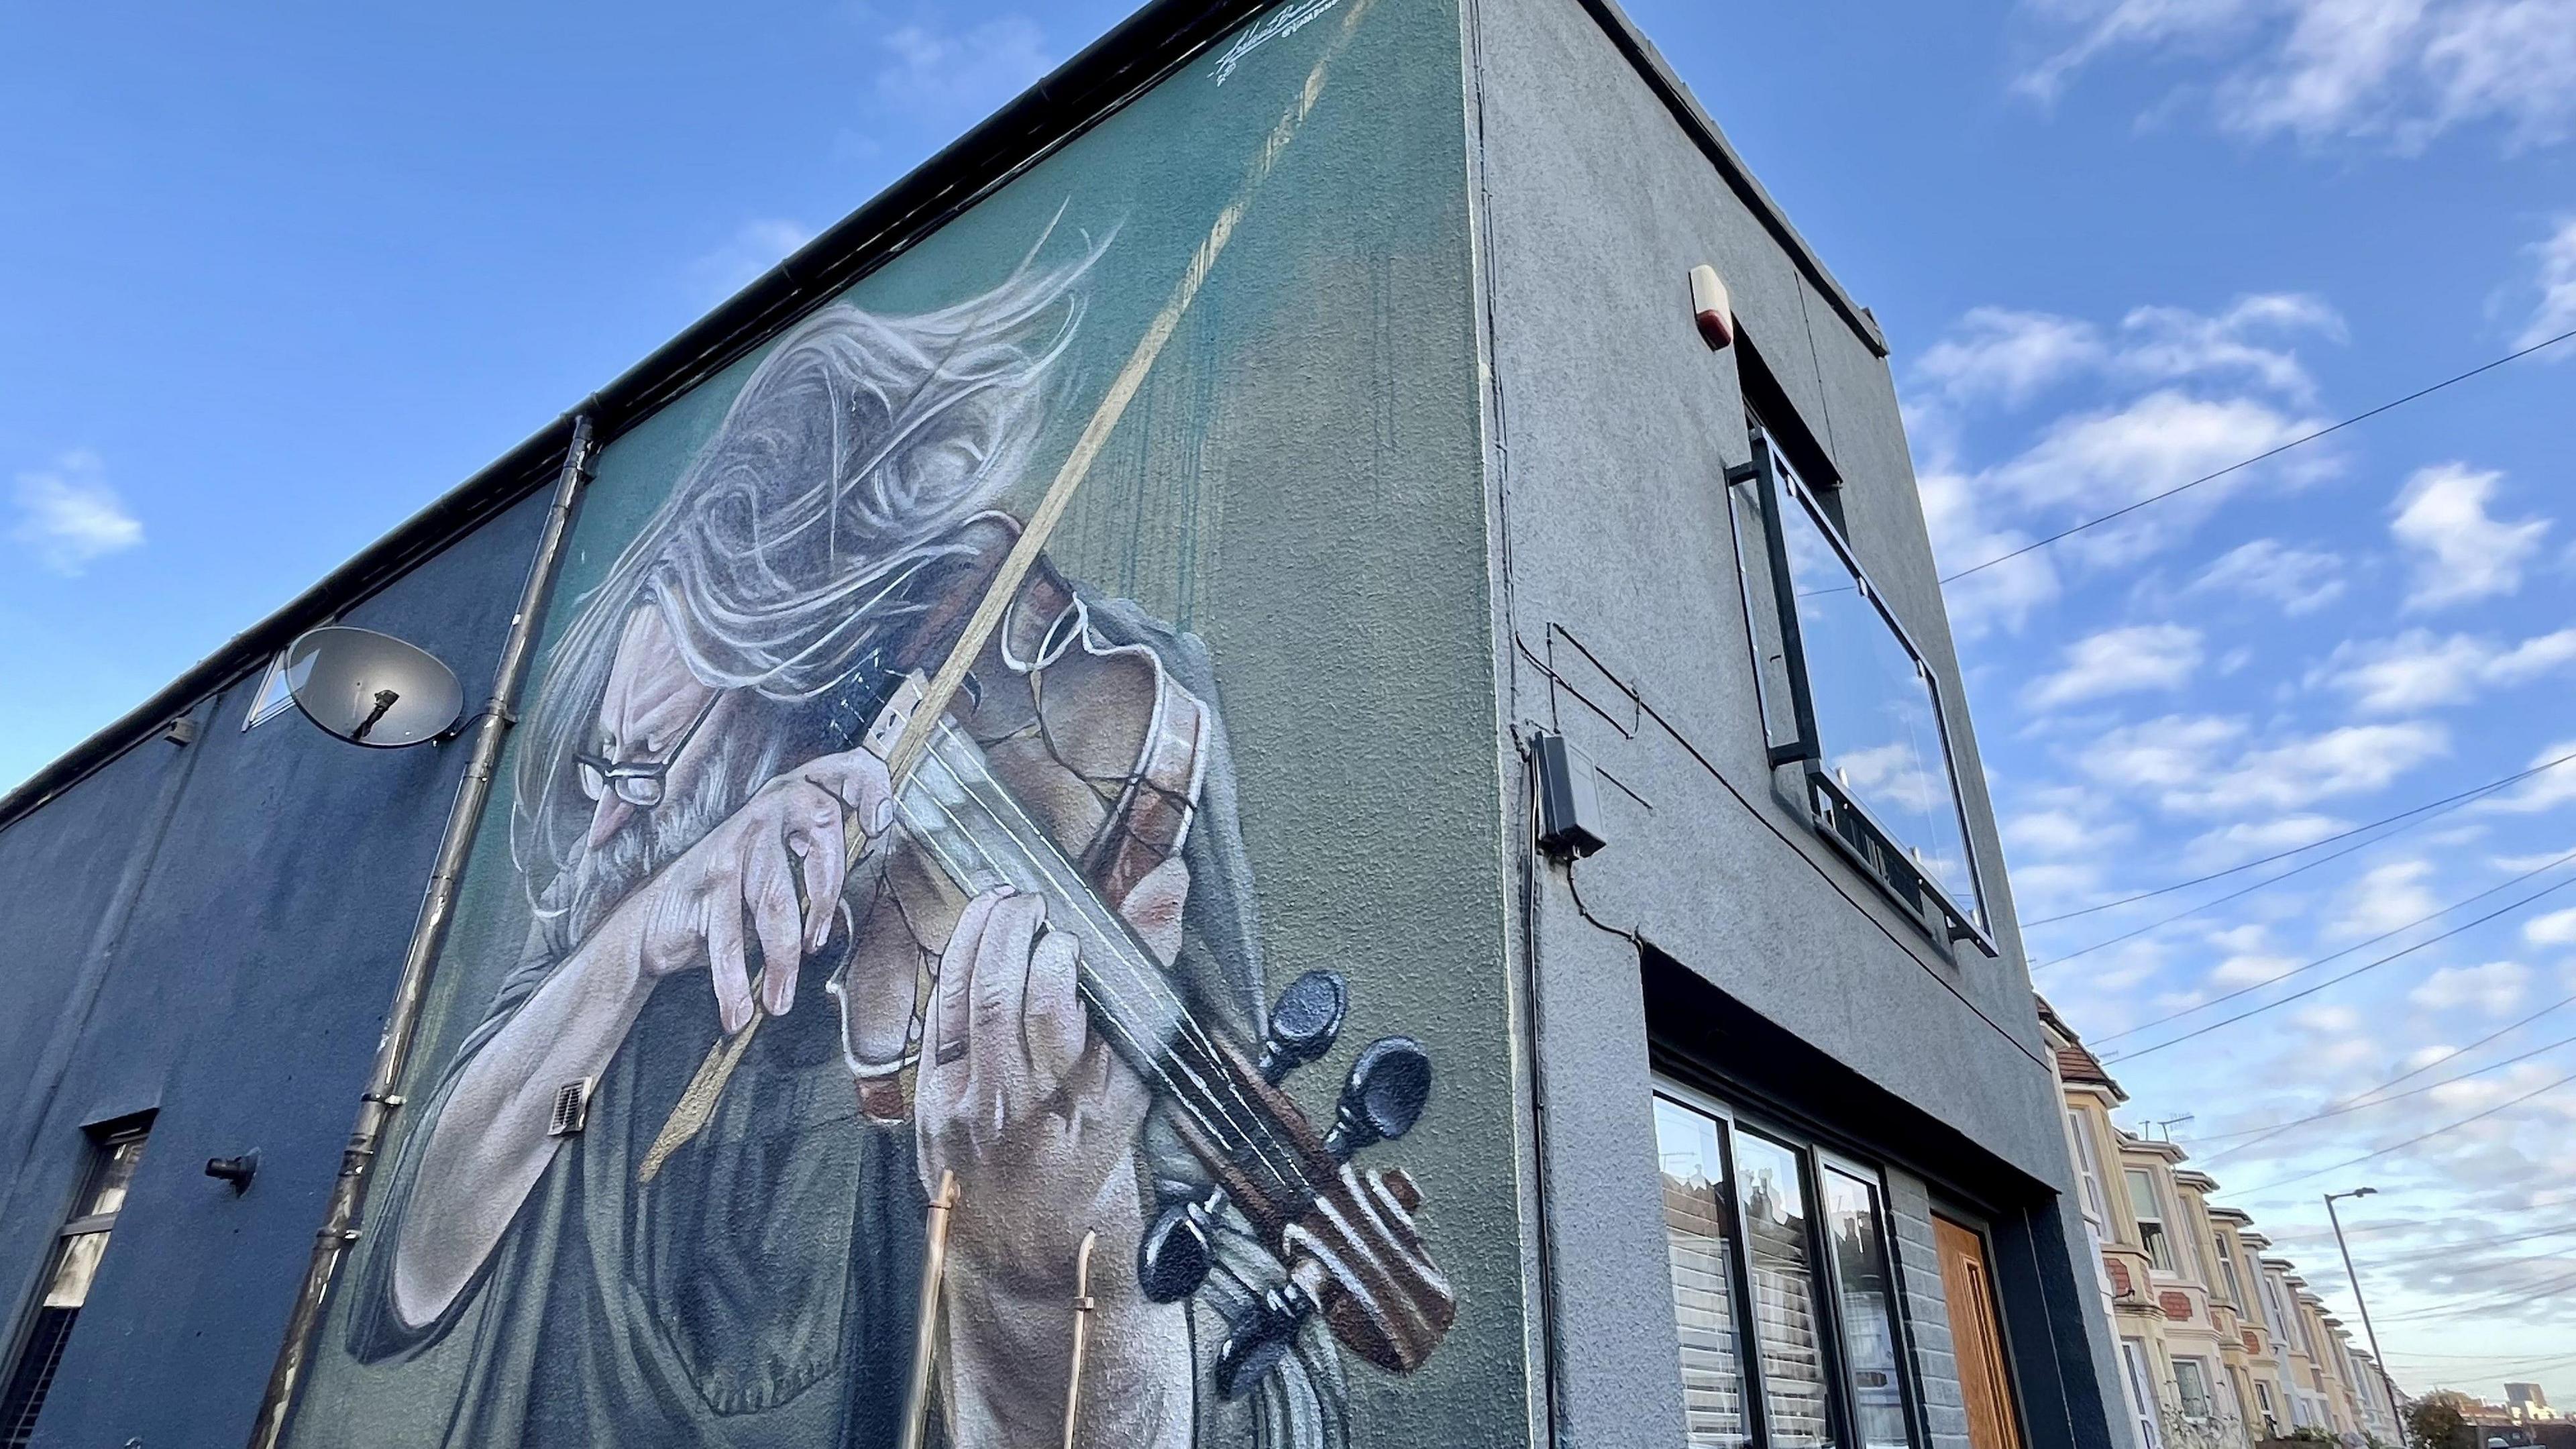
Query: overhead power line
point(2123, 512)
point(2339, 955)
point(2455, 1249)
point(2462, 797)
point(2371, 1097)
point(2351, 1107)
point(2237, 894)
point(2419, 1137)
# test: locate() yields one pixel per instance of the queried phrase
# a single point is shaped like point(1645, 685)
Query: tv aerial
point(372, 689)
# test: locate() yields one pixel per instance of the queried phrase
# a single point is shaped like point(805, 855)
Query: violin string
point(1150, 982)
point(1253, 1132)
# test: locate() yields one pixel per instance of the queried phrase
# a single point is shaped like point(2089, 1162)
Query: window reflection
point(1694, 1182)
point(1876, 717)
point(1861, 1276)
point(1773, 1200)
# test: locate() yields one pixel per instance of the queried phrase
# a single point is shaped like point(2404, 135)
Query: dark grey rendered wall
point(1611, 427)
point(213, 932)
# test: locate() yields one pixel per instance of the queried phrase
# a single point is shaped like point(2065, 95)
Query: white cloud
point(754, 248)
point(1997, 352)
point(2096, 461)
point(2556, 312)
point(2184, 763)
point(2250, 839)
point(2558, 928)
point(68, 516)
point(2419, 670)
point(2003, 354)
point(2461, 552)
point(2119, 661)
point(2049, 833)
point(2301, 581)
point(954, 74)
point(2174, 342)
point(2551, 788)
point(2493, 988)
point(2386, 898)
point(2397, 72)
point(2006, 594)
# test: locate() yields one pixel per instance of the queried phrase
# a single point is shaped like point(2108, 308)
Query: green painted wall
point(1298, 483)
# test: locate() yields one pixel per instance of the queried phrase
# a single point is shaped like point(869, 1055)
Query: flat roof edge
point(1703, 128)
point(1100, 79)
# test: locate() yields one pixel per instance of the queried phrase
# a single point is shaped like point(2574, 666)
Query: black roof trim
point(1131, 57)
point(1078, 95)
point(1686, 109)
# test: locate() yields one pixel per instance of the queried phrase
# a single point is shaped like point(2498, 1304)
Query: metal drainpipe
point(376, 1108)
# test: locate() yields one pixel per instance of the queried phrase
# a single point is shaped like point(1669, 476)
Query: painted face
point(651, 712)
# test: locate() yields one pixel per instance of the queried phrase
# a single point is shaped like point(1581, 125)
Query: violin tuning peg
point(1260, 1338)
point(1383, 1098)
point(1305, 1023)
point(1174, 1255)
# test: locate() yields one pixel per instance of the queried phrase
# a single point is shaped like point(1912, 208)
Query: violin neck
point(980, 836)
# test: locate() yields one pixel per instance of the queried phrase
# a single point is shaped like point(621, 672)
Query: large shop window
point(1846, 694)
point(1784, 1289)
point(38, 1350)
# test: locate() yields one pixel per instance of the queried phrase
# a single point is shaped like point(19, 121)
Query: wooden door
point(1976, 1338)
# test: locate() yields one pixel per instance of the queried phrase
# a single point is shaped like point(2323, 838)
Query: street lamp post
point(2378, 1359)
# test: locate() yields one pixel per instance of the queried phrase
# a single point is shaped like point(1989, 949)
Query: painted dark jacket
point(760, 1291)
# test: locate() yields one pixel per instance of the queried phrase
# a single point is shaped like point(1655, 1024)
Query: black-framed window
point(1846, 694)
point(1785, 1301)
point(78, 1250)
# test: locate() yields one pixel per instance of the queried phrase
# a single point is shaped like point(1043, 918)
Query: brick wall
point(1927, 1309)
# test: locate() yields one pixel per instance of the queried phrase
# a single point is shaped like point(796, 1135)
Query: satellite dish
point(372, 689)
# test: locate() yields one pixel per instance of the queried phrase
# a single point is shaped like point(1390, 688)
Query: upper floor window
point(2227, 1271)
point(2088, 1171)
point(78, 1249)
point(2151, 1219)
point(1784, 1290)
point(1845, 692)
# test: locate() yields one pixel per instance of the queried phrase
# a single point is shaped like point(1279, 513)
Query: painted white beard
point(652, 838)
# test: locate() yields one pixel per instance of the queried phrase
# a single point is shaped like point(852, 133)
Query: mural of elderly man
point(685, 782)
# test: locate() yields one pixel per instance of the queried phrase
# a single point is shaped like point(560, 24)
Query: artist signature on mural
point(1287, 21)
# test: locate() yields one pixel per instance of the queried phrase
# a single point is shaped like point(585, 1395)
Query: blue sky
point(276, 277)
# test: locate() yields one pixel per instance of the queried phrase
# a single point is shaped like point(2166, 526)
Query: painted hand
point(693, 912)
point(1023, 1100)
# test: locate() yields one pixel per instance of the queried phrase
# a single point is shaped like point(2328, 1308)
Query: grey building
point(1289, 718)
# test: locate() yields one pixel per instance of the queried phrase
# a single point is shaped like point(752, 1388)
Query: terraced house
point(2219, 1345)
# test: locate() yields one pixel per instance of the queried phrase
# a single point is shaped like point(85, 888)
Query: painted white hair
point(781, 558)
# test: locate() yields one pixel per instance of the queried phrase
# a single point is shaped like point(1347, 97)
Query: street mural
point(865, 1033)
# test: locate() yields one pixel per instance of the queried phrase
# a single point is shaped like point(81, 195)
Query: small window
point(2271, 1416)
point(78, 1250)
point(1845, 694)
point(2191, 1386)
point(276, 695)
point(2227, 1271)
point(2142, 1392)
point(2151, 1219)
point(1784, 1290)
point(2088, 1167)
